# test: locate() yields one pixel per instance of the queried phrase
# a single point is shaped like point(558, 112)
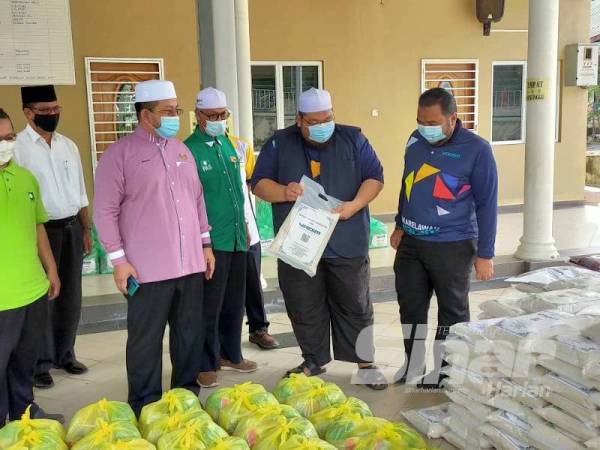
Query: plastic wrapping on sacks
point(270, 432)
point(576, 350)
point(568, 300)
point(472, 401)
point(544, 437)
point(569, 372)
point(505, 306)
point(351, 407)
point(317, 399)
point(197, 434)
point(40, 439)
point(171, 402)
point(228, 406)
point(473, 331)
point(16, 430)
point(460, 443)
point(586, 415)
point(429, 421)
point(86, 419)
point(511, 424)
point(589, 398)
point(462, 422)
point(528, 395)
point(107, 432)
point(175, 421)
point(459, 378)
point(554, 278)
point(501, 440)
point(568, 423)
point(304, 443)
point(230, 443)
point(295, 383)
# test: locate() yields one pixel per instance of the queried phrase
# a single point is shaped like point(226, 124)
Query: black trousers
point(225, 296)
point(255, 301)
point(178, 302)
point(64, 313)
point(422, 268)
point(20, 341)
point(335, 302)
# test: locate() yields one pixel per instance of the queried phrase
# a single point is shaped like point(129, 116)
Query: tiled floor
point(574, 228)
point(104, 353)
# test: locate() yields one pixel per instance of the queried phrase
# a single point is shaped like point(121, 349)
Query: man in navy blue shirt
point(446, 223)
point(336, 301)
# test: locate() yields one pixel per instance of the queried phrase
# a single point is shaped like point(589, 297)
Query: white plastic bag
point(473, 331)
point(589, 416)
point(567, 300)
point(459, 378)
point(568, 423)
point(473, 402)
point(505, 306)
point(502, 440)
point(462, 444)
point(509, 423)
point(545, 437)
point(568, 372)
point(589, 398)
point(576, 350)
point(554, 278)
point(302, 238)
point(531, 396)
point(429, 421)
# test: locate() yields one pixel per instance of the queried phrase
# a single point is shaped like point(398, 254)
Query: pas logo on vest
point(31, 196)
point(206, 166)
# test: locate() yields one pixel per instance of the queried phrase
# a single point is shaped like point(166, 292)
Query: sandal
point(372, 377)
point(312, 368)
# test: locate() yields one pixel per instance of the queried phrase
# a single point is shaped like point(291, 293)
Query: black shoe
point(371, 377)
point(43, 381)
point(41, 414)
point(308, 368)
point(432, 381)
point(75, 368)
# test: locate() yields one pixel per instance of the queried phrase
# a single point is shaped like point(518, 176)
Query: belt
point(61, 223)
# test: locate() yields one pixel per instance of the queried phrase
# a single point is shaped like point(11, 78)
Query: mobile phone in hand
point(132, 286)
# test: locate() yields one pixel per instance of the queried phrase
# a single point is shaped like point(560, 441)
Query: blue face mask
point(216, 128)
point(321, 132)
point(433, 134)
point(169, 126)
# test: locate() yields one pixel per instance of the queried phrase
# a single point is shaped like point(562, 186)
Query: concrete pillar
point(537, 243)
point(225, 59)
point(244, 73)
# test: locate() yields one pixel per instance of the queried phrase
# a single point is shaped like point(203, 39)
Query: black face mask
point(48, 122)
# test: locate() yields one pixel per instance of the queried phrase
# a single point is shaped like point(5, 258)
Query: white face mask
point(6, 151)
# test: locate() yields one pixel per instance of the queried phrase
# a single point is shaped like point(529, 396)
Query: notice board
point(36, 45)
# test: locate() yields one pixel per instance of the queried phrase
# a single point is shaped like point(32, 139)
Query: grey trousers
point(335, 303)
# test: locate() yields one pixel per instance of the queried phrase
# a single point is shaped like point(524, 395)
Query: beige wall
point(122, 29)
point(372, 55)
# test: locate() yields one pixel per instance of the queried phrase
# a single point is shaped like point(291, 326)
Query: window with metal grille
point(460, 77)
point(111, 93)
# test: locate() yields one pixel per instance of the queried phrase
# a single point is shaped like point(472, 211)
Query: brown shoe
point(263, 339)
point(207, 380)
point(245, 366)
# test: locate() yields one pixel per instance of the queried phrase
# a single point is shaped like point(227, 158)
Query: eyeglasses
point(217, 116)
point(169, 112)
point(46, 111)
point(310, 123)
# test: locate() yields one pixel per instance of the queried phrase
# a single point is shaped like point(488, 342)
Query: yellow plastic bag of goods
point(197, 434)
point(105, 433)
point(228, 406)
point(316, 399)
point(14, 431)
point(86, 419)
point(254, 425)
point(171, 402)
point(41, 439)
point(167, 424)
point(269, 433)
point(373, 432)
point(304, 443)
point(230, 443)
point(295, 383)
point(352, 407)
point(134, 444)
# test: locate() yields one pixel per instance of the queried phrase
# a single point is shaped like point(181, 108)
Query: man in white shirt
point(54, 160)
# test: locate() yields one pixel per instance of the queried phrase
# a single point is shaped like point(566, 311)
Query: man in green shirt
point(28, 279)
point(224, 295)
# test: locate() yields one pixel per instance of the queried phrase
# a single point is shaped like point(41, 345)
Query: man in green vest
point(224, 295)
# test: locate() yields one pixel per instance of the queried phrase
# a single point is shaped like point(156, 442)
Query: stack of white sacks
point(528, 375)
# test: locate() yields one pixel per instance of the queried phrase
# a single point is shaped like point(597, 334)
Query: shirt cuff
point(117, 257)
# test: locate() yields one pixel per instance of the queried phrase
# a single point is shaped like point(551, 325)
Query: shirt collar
point(12, 165)
point(146, 135)
point(34, 135)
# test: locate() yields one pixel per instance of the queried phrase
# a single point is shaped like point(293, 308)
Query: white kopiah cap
point(154, 90)
point(211, 98)
point(314, 100)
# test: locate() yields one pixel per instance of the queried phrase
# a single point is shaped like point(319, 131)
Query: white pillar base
point(536, 251)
